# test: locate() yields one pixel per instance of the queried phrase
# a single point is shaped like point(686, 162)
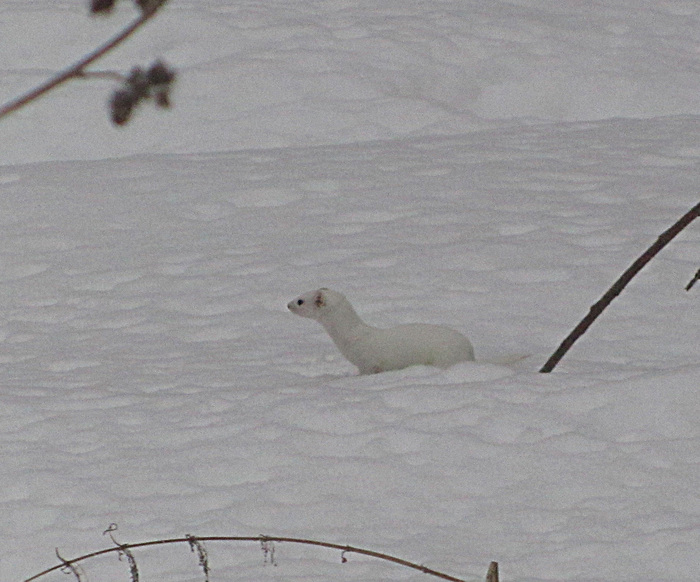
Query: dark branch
point(124, 550)
point(69, 567)
point(202, 555)
point(77, 69)
point(258, 539)
point(619, 285)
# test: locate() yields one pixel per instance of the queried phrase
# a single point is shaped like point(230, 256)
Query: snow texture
point(488, 165)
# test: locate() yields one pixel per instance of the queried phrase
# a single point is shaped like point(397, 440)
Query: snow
point(492, 165)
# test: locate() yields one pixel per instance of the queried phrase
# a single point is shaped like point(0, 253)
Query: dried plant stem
point(77, 69)
point(202, 555)
point(69, 567)
point(125, 550)
point(619, 285)
point(189, 540)
point(492, 574)
point(110, 75)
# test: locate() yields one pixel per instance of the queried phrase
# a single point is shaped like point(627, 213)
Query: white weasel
point(375, 350)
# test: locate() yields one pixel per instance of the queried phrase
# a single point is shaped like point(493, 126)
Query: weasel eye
point(300, 302)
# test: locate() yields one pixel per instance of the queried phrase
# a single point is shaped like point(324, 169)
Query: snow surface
point(491, 165)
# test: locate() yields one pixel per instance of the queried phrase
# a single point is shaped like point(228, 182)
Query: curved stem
point(77, 69)
point(258, 539)
point(665, 238)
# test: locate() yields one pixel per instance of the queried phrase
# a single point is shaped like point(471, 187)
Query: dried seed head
point(161, 78)
point(99, 6)
point(163, 98)
point(160, 74)
point(148, 5)
point(121, 105)
point(138, 83)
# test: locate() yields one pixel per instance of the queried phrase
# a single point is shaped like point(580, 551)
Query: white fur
point(375, 350)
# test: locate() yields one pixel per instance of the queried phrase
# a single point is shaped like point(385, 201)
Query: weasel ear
point(319, 299)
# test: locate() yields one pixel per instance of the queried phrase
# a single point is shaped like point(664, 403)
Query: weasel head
point(315, 304)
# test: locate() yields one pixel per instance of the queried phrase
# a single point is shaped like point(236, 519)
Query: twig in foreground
point(618, 286)
point(77, 69)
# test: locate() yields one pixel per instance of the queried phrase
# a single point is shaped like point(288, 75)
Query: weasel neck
point(344, 325)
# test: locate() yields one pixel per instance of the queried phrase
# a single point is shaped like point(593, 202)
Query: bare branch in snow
point(160, 80)
point(665, 238)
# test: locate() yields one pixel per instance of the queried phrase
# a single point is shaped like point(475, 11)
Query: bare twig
point(619, 285)
point(492, 574)
point(694, 280)
point(195, 544)
point(69, 567)
point(111, 75)
point(187, 540)
point(268, 549)
point(77, 69)
point(124, 550)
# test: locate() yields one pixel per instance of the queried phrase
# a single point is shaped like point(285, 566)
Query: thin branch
point(69, 567)
point(77, 69)
point(492, 574)
point(619, 285)
point(259, 539)
point(202, 555)
point(124, 550)
point(694, 280)
point(110, 75)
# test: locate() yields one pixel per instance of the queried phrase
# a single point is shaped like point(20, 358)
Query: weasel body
point(375, 350)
